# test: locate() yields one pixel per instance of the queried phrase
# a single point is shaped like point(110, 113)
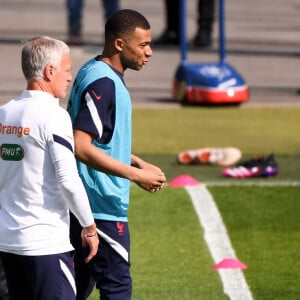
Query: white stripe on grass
point(215, 234)
point(249, 182)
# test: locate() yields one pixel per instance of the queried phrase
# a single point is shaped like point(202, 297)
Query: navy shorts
point(47, 277)
point(110, 268)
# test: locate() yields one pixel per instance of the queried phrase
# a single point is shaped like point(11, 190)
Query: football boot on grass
point(257, 167)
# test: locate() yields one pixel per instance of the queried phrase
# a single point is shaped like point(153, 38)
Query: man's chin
point(136, 68)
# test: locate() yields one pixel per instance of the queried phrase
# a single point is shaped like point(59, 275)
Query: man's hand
point(91, 240)
point(150, 179)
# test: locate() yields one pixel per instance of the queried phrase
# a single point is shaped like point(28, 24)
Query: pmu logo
point(12, 152)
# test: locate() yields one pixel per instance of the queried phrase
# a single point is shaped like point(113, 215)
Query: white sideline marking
point(215, 234)
point(248, 182)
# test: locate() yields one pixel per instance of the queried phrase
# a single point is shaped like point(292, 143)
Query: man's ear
point(49, 71)
point(119, 44)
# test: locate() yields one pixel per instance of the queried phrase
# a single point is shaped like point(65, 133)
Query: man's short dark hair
point(124, 22)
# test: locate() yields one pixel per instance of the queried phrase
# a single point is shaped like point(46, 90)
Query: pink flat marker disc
point(230, 263)
point(183, 180)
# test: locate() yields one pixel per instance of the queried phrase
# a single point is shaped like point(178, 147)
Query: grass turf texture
point(159, 135)
point(263, 224)
point(253, 130)
point(170, 259)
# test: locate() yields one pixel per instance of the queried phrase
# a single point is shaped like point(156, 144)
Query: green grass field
point(170, 259)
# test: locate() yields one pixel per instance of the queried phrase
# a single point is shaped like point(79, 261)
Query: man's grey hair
point(39, 52)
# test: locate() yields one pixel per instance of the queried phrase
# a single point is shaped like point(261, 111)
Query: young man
point(39, 181)
point(100, 108)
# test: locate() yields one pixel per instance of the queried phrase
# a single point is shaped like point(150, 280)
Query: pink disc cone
point(183, 180)
point(230, 263)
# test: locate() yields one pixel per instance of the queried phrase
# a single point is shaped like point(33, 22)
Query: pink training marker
point(230, 263)
point(183, 180)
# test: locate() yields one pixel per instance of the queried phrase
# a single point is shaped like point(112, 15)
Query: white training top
point(39, 181)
